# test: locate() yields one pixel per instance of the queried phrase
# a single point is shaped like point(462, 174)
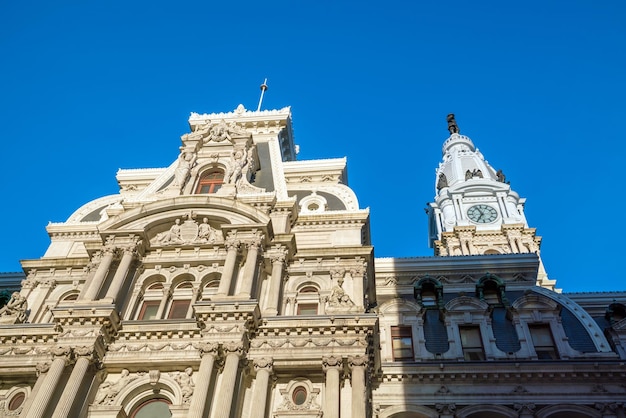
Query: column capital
point(232, 242)
point(331, 362)
point(62, 352)
point(256, 242)
point(42, 367)
point(207, 348)
point(233, 347)
point(278, 254)
point(358, 361)
point(264, 364)
point(337, 273)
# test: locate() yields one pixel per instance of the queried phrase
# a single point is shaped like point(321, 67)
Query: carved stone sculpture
point(186, 161)
point(186, 383)
point(238, 161)
point(15, 310)
point(108, 390)
point(442, 181)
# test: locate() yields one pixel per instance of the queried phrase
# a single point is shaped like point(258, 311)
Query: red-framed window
point(179, 309)
point(210, 182)
point(149, 310)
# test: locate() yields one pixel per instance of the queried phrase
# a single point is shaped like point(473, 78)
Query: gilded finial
point(452, 126)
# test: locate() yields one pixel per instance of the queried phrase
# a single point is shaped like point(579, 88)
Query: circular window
point(16, 401)
point(299, 395)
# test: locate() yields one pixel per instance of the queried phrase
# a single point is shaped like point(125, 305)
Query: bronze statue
point(452, 126)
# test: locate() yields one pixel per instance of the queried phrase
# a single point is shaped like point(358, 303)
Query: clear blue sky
point(87, 87)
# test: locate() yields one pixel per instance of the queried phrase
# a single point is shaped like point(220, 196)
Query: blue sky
point(89, 87)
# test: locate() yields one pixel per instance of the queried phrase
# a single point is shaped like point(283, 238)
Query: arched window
point(210, 182)
point(181, 299)
point(153, 408)
point(210, 289)
point(429, 293)
point(152, 297)
point(490, 288)
point(307, 300)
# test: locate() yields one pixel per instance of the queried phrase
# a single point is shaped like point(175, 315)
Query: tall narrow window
point(543, 342)
point(472, 343)
point(210, 182)
point(179, 309)
point(149, 310)
point(402, 343)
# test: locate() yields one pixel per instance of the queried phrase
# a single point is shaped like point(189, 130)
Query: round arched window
point(154, 408)
point(16, 401)
point(299, 395)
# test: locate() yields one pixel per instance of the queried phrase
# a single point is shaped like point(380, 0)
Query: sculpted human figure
point(338, 296)
point(171, 236)
point(238, 160)
point(108, 391)
point(16, 306)
point(186, 383)
point(205, 232)
point(186, 160)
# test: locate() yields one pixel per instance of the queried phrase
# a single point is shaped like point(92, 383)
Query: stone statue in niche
point(15, 309)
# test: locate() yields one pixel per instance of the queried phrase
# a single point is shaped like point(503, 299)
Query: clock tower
point(475, 210)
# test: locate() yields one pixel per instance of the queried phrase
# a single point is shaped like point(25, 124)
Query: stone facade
point(239, 282)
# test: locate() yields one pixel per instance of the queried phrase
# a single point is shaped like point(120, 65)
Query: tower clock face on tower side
point(482, 214)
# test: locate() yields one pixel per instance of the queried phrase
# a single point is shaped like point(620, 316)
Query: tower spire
point(263, 88)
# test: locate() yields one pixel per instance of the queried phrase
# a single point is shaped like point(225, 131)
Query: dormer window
point(429, 293)
point(210, 182)
point(490, 288)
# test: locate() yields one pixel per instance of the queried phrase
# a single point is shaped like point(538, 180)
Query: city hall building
point(241, 282)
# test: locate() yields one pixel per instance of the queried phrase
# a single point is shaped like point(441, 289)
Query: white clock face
point(482, 214)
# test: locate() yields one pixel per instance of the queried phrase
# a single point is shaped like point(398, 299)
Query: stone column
point(72, 386)
point(122, 271)
point(167, 294)
point(91, 292)
point(250, 271)
point(332, 367)
point(263, 368)
point(232, 247)
point(42, 398)
point(278, 260)
point(194, 297)
point(357, 286)
point(208, 351)
point(224, 397)
point(357, 365)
